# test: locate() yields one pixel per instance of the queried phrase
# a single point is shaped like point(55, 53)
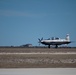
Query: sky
point(24, 21)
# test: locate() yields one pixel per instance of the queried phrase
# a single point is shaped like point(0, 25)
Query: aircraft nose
point(42, 41)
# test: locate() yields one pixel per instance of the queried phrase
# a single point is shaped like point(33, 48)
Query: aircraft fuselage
point(55, 42)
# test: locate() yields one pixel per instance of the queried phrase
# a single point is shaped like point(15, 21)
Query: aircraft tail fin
point(67, 37)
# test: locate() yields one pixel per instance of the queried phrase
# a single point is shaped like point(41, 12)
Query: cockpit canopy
point(55, 38)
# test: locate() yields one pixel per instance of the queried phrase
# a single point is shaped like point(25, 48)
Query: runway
point(43, 53)
point(38, 71)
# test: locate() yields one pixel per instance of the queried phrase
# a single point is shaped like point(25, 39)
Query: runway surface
point(59, 53)
point(38, 71)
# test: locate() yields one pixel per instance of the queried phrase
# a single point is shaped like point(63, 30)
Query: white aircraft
point(55, 41)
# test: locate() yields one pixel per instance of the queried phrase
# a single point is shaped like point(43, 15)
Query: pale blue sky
point(24, 21)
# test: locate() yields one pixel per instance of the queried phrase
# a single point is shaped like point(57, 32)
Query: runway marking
point(59, 53)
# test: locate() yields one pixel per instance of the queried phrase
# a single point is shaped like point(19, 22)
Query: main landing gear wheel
point(56, 46)
point(48, 46)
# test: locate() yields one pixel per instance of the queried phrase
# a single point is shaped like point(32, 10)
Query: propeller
point(40, 40)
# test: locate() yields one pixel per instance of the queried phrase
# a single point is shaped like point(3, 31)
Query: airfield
point(21, 57)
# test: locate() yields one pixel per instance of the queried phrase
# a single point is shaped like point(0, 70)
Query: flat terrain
point(28, 50)
point(37, 58)
point(38, 71)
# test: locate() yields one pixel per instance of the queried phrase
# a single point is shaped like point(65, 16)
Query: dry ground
point(37, 60)
point(28, 50)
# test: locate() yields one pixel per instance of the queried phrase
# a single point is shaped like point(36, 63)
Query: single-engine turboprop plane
point(55, 41)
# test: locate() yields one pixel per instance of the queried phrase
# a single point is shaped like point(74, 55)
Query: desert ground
point(20, 57)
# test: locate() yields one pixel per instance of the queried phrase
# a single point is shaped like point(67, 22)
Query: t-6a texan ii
point(55, 41)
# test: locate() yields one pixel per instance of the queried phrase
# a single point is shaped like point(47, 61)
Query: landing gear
point(56, 46)
point(48, 46)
